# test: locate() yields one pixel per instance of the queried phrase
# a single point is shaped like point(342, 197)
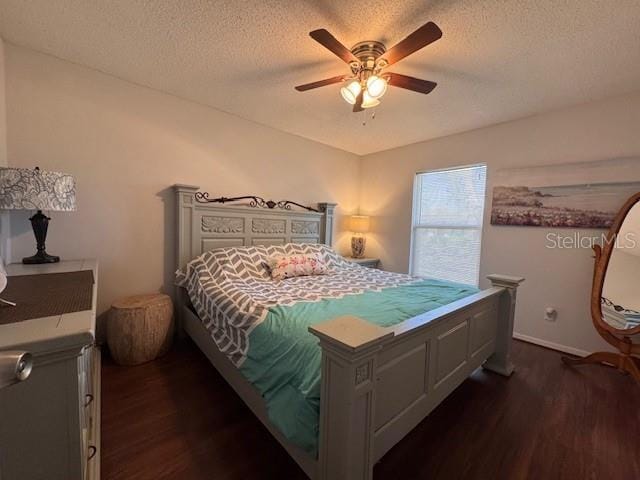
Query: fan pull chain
point(373, 117)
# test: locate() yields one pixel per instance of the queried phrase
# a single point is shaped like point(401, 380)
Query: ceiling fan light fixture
point(368, 101)
point(351, 91)
point(376, 86)
point(368, 80)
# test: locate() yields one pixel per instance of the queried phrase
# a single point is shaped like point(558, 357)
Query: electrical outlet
point(550, 314)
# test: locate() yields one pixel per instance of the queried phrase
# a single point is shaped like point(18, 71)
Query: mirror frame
point(603, 256)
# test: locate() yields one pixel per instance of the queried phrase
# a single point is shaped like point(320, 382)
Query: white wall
point(3, 116)
point(127, 145)
point(4, 216)
point(622, 283)
point(559, 278)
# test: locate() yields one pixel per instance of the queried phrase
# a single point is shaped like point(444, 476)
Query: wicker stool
point(140, 328)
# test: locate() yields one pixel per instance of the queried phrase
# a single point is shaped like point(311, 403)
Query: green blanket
point(283, 361)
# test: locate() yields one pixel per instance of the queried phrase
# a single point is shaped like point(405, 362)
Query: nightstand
point(51, 421)
point(365, 262)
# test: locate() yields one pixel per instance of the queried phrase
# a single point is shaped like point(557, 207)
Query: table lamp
point(359, 226)
point(35, 189)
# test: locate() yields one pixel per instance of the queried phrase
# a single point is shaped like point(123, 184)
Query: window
point(448, 206)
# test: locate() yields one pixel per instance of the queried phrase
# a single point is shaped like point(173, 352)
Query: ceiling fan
point(368, 60)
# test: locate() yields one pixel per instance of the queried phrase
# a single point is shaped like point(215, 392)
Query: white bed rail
point(379, 383)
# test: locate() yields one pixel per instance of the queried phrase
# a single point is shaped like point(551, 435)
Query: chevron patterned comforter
point(262, 324)
point(231, 288)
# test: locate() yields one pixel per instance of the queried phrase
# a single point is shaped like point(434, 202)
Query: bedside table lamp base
point(357, 246)
point(40, 224)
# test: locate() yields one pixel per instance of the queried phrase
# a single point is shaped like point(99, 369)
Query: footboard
point(379, 383)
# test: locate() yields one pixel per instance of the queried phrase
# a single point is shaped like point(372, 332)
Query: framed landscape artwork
point(585, 195)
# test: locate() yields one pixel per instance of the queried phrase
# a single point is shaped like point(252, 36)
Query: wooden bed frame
point(377, 383)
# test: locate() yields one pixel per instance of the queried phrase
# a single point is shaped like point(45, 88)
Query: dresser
point(50, 423)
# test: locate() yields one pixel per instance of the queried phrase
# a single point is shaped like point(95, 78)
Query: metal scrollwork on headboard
point(254, 201)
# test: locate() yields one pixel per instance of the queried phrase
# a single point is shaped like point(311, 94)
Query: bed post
point(500, 361)
point(326, 234)
point(350, 347)
point(185, 203)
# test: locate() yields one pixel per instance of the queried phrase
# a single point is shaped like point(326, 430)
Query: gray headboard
point(205, 226)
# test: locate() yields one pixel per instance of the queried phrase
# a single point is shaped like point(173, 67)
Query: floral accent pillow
point(288, 266)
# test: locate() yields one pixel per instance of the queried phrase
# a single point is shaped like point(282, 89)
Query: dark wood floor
point(176, 418)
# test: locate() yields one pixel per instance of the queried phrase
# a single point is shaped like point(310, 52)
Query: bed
point(376, 377)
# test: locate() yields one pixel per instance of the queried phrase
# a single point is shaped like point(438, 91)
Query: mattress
point(262, 325)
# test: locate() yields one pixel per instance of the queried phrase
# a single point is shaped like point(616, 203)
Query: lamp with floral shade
point(359, 226)
point(35, 189)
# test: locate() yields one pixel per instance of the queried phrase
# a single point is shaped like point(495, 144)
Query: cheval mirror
point(615, 295)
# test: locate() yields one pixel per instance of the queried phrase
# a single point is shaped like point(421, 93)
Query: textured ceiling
point(498, 59)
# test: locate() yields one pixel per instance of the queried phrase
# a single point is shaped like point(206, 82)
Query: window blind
point(448, 208)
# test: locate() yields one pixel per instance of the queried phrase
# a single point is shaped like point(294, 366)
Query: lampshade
point(359, 223)
point(376, 86)
point(35, 189)
point(351, 91)
point(368, 101)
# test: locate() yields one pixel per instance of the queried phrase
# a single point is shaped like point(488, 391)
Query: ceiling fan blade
point(327, 40)
point(411, 83)
point(357, 107)
point(426, 34)
point(321, 83)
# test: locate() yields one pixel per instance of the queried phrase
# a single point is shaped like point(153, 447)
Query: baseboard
point(551, 345)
